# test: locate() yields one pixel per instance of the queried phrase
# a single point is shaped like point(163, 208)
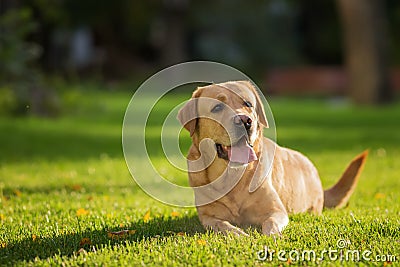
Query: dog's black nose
point(243, 120)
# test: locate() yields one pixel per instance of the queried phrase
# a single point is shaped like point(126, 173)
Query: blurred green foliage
point(250, 35)
point(132, 38)
point(16, 53)
point(21, 84)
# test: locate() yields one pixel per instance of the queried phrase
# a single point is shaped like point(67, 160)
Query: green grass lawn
point(65, 191)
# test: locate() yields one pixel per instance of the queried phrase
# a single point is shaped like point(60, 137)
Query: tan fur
point(338, 195)
point(261, 197)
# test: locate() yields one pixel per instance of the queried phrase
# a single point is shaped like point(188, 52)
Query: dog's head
point(231, 114)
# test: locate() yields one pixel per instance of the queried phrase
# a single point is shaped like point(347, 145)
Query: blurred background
point(68, 69)
point(309, 47)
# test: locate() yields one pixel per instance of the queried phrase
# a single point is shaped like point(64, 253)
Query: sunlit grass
point(67, 197)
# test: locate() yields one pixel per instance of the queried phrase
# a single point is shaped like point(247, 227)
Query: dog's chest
point(243, 212)
point(243, 207)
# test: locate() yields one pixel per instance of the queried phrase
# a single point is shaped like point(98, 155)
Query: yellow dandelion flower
point(175, 214)
point(82, 212)
point(379, 196)
point(146, 217)
point(201, 242)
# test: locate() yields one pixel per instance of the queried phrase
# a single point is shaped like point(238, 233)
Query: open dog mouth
point(241, 152)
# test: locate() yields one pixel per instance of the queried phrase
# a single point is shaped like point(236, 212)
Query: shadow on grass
point(21, 144)
point(314, 129)
point(68, 189)
point(69, 245)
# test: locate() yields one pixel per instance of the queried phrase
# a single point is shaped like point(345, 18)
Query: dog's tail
point(338, 195)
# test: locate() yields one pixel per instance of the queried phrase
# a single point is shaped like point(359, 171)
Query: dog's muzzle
point(241, 120)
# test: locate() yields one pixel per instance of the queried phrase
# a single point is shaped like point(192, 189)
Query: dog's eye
point(248, 104)
point(217, 108)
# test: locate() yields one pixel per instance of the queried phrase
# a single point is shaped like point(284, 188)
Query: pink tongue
point(242, 153)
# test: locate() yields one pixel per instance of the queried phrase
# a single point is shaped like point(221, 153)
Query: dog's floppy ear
point(187, 115)
point(259, 107)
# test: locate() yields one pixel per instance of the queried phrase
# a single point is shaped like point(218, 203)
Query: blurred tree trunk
point(174, 48)
point(365, 42)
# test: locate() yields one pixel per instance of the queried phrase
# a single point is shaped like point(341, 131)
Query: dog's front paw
point(271, 229)
point(237, 232)
point(274, 225)
point(226, 228)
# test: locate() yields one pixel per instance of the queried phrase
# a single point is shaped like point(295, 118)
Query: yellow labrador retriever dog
point(240, 178)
